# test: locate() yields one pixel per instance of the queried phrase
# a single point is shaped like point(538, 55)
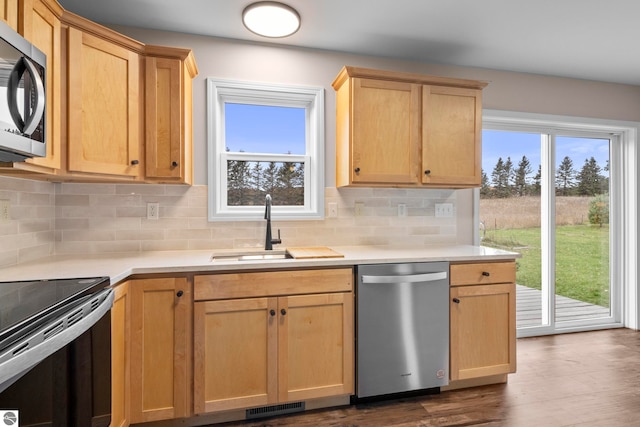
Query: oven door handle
point(37, 346)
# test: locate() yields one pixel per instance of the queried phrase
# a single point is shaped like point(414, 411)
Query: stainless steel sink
point(251, 256)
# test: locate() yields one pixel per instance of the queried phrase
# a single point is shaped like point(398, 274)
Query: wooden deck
point(529, 308)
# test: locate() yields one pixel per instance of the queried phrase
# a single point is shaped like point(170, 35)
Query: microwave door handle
point(29, 125)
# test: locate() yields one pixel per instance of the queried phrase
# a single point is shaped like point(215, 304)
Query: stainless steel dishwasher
point(402, 328)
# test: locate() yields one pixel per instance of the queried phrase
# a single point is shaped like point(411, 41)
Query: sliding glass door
point(547, 194)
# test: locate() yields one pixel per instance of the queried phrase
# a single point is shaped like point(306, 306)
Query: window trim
point(625, 164)
point(221, 91)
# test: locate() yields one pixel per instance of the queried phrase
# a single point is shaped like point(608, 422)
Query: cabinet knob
point(427, 172)
point(174, 164)
point(283, 311)
point(179, 294)
point(456, 300)
point(357, 170)
point(272, 312)
point(486, 273)
point(135, 162)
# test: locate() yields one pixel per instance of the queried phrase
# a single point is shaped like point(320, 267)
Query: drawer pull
point(179, 294)
point(135, 162)
point(456, 300)
point(486, 273)
point(427, 172)
point(283, 311)
point(174, 164)
point(272, 312)
point(357, 170)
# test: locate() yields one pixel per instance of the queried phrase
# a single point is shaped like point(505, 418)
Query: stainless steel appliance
point(402, 328)
point(22, 97)
point(55, 352)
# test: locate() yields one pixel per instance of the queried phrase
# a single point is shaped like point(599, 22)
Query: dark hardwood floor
point(581, 379)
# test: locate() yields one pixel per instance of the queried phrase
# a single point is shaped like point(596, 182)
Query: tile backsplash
point(28, 234)
point(72, 218)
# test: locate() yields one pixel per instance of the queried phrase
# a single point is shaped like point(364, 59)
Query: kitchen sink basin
point(251, 256)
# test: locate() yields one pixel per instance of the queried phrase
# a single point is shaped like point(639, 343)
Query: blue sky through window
point(265, 129)
point(496, 144)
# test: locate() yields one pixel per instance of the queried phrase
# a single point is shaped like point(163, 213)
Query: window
point(265, 139)
point(554, 189)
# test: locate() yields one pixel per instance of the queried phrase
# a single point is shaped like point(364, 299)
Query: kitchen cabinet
point(168, 114)
point(103, 106)
point(264, 338)
point(120, 356)
point(160, 355)
point(117, 110)
point(407, 130)
point(482, 320)
point(9, 12)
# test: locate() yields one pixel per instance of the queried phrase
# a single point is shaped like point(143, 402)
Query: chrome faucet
point(269, 242)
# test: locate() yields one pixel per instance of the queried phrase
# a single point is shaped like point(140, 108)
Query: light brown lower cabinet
point(482, 320)
point(120, 356)
point(273, 349)
point(160, 362)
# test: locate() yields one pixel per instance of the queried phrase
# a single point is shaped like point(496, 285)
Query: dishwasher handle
point(412, 278)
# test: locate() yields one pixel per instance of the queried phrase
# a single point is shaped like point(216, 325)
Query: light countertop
point(120, 266)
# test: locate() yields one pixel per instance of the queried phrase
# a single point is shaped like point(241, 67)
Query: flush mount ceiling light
point(271, 19)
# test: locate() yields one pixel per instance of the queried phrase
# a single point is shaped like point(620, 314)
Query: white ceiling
point(587, 39)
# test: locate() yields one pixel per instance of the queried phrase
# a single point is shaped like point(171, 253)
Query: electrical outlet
point(4, 210)
point(358, 208)
point(402, 209)
point(153, 210)
point(333, 210)
point(444, 210)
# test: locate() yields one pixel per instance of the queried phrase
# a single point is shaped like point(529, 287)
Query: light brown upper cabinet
point(168, 114)
point(103, 106)
point(117, 110)
point(407, 130)
point(9, 12)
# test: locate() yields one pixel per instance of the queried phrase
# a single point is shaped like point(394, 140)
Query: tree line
point(249, 182)
point(509, 180)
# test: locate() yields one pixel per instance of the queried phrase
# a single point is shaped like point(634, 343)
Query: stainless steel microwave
point(22, 98)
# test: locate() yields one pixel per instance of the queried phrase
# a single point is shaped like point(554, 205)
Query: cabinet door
point(315, 346)
point(386, 132)
point(160, 310)
point(9, 12)
point(451, 133)
point(235, 354)
point(103, 106)
point(483, 330)
point(165, 143)
point(120, 350)
point(42, 28)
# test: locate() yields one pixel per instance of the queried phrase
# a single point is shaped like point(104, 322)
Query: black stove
point(55, 351)
point(26, 305)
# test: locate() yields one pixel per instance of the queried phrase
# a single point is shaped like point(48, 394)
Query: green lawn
point(582, 259)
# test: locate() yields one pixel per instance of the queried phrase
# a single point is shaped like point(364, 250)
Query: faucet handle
point(278, 240)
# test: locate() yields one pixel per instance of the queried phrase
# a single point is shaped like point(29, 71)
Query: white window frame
point(219, 92)
point(623, 199)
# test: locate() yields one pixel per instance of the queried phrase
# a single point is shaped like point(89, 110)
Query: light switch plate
point(444, 210)
point(402, 209)
point(333, 210)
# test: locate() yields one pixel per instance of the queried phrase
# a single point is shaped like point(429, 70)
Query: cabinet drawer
point(271, 283)
point(483, 273)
